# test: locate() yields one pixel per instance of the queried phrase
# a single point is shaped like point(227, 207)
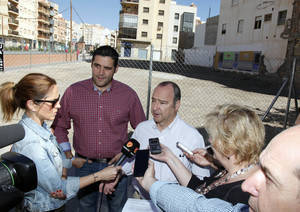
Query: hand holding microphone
point(129, 150)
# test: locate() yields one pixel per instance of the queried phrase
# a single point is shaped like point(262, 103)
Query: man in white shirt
point(169, 128)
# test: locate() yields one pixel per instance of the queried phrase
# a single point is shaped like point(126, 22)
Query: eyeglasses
point(53, 102)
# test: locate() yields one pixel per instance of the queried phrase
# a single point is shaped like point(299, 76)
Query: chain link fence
point(203, 86)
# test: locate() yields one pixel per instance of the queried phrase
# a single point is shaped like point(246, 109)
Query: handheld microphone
point(10, 134)
point(128, 150)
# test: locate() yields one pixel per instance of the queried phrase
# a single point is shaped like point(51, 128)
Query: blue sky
point(106, 12)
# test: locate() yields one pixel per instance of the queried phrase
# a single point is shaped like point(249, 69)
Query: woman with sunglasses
point(37, 94)
point(236, 135)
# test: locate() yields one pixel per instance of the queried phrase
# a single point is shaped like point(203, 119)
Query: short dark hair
point(107, 51)
point(176, 89)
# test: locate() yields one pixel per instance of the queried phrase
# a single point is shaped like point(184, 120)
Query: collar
point(170, 126)
point(43, 131)
point(107, 90)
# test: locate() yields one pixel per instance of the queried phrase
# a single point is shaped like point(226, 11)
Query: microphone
point(128, 150)
point(10, 134)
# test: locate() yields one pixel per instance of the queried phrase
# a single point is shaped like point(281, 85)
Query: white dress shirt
point(178, 130)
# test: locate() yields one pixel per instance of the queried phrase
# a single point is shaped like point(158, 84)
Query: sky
point(106, 12)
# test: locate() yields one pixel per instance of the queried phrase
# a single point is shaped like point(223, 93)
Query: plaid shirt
point(100, 120)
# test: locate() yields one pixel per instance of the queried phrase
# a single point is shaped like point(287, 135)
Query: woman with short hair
point(236, 135)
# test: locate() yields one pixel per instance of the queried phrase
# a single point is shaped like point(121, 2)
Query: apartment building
point(158, 23)
point(9, 21)
point(249, 29)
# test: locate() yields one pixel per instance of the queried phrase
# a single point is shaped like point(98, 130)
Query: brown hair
point(13, 96)
point(235, 129)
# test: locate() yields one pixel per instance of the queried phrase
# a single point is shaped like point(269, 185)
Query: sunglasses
point(53, 102)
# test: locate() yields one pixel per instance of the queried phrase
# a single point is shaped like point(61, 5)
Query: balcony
point(13, 21)
point(128, 21)
point(44, 11)
point(13, 32)
point(44, 20)
point(127, 33)
point(43, 29)
point(44, 3)
point(13, 10)
point(129, 1)
point(129, 12)
point(14, 1)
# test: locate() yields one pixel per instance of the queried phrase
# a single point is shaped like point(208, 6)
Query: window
point(161, 12)
point(240, 26)
point(162, 1)
point(145, 21)
point(174, 40)
point(160, 25)
point(146, 9)
point(257, 23)
point(223, 29)
point(268, 17)
point(176, 16)
point(234, 2)
point(159, 36)
point(281, 17)
point(175, 28)
point(144, 34)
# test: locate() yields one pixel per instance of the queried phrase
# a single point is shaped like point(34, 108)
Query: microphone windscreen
point(130, 147)
point(11, 134)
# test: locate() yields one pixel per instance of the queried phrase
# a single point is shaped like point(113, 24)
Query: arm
point(174, 198)
point(194, 140)
point(136, 114)
point(62, 123)
point(182, 174)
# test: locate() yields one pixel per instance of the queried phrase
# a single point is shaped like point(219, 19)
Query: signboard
point(1, 57)
point(228, 55)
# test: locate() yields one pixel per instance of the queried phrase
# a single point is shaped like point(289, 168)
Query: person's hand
point(79, 162)
point(164, 155)
point(58, 194)
point(199, 157)
point(115, 159)
point(148, 179)
point(109, 173)
point(109, 187)
point(68, 154)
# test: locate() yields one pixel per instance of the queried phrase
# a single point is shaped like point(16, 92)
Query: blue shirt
point(40, 145)
point(174, 198)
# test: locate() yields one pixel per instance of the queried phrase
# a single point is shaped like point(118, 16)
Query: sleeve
point(137, 114)
point(195, 140)
point(48, 177)
point(194, 182)
point(171, 197)
point(62, 121)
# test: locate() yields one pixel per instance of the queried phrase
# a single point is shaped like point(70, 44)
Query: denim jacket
point(40, 145)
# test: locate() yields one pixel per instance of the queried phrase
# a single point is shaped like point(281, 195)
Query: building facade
point(158, 23)
point(249, 34)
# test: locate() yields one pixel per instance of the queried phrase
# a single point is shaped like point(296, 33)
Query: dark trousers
point(89, 196)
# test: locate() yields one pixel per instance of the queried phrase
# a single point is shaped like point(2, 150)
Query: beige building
point(9, 22)
point(158, 23)
point(249, 29)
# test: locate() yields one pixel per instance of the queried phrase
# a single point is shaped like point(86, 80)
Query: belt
point(95, 160)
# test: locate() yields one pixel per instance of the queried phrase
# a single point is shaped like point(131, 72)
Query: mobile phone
point(141, 163)
point(184, 148)
point(154, 146)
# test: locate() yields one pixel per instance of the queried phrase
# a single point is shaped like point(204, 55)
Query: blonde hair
point(237, 130)
point(13, 97)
